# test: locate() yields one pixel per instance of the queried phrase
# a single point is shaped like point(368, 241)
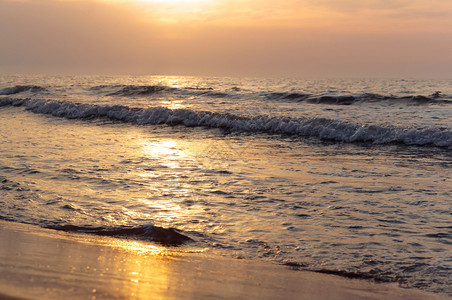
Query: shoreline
point(37, 263)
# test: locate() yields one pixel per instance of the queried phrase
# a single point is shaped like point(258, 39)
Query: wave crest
point(322, 128)
point(354, 99)
point(20, 89)
point(133, 90)
point(149, 90)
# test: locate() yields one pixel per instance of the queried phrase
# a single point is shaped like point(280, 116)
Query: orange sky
point(301, 38)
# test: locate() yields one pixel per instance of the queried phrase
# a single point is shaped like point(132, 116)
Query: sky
point(270, 38)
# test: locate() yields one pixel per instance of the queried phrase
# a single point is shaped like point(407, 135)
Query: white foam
point(317, 127)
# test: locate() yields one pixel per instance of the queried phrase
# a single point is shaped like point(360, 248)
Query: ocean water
point(348, 177)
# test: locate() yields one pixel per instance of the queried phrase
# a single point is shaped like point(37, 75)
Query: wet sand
point(37, 263)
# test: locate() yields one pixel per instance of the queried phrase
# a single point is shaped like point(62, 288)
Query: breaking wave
point(323, 128)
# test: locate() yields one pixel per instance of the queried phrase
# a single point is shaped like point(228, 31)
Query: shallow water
point(248, 168)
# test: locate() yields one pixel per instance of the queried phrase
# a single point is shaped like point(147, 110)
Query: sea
point(351, 177)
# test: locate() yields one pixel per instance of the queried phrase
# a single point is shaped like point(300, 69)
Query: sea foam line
point(322, 128)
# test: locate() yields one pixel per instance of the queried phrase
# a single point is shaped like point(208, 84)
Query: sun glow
point(186, 3)
point(170, 1)
point(172, 12)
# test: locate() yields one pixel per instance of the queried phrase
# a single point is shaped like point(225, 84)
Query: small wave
point(436, 97)
point(341, 100)
point(148, 232)
point(6, 101)
point(133, 90)
point(21, 88)
point(137, 90)
point(287, 96)
point(211, 93)
point(326, 129)
point(374, 276)
point(196, 88)
point(105, 86)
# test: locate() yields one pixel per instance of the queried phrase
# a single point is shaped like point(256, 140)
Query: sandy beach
point(45, 264)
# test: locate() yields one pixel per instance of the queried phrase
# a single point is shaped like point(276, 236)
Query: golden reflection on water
point(167, 153)
point(168, 178)
point(174, 104)
point(143, 270)
point(157, 149)
point(116, 268)
point(138, 248)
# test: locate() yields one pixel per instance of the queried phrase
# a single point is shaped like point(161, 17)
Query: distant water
point(349, 177)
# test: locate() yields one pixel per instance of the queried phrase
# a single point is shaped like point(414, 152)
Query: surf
point(323, 128)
